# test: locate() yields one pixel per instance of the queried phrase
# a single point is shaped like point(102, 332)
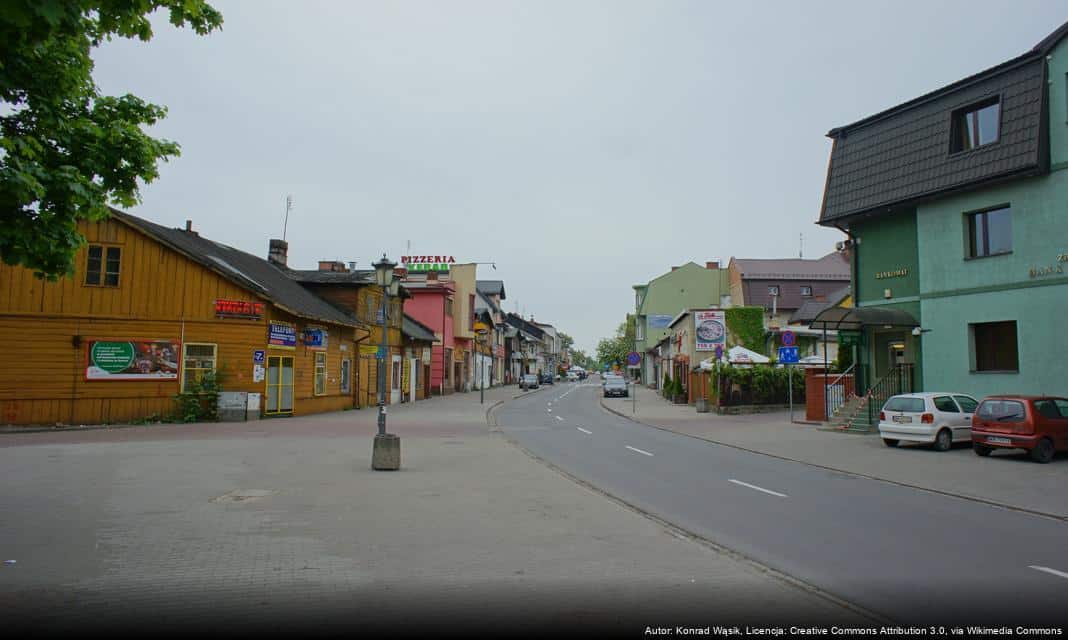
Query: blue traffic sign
point(634, 358)
point(788, 339)
point(788, 355)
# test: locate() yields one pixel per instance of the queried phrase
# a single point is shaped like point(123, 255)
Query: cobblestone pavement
point(282, 525)
point(1006, 478)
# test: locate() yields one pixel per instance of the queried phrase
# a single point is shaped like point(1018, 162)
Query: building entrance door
point(279, 385)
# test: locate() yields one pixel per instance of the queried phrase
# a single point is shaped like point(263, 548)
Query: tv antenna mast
point(289, 207)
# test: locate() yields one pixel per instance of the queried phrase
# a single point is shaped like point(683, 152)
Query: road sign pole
point(790, 384)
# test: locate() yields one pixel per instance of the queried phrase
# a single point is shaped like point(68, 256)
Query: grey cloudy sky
point(582, 146)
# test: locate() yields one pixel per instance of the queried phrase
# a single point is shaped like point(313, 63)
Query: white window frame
point(315, 376)
point(346, 375)
point(185, 356)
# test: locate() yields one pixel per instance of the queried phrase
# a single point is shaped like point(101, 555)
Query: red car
point(1037, 424)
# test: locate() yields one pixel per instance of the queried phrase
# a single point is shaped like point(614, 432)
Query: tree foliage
point(614, 350)
point(67, 152)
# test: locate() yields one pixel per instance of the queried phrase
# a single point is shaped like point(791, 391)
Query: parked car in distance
point(938, 418)
point(572, 376)
point(616, 386)
point(528, 381)
point(546, 378)
point(1036, 424)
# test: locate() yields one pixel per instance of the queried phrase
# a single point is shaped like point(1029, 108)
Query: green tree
point(67, 152)
point(615, 349)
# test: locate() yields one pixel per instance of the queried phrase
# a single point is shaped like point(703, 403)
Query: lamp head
point(384, 271)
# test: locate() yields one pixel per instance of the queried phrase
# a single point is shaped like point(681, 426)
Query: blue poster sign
point(315, 338)
point(659, 322)
point(282, 335)
point(788, 355)
point(258, 356)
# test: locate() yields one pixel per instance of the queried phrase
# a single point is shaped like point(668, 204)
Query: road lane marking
point(1050, 571)
point(639, 451)
point(584, 431)
point(753, 486)
point(559, 418)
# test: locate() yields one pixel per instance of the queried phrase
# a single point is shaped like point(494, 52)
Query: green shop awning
point(856, 318)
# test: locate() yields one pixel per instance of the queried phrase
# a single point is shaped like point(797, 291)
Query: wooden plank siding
point(45, 328)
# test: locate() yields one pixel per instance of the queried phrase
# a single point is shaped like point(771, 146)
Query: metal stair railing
point(897, 381)
point(836, 395)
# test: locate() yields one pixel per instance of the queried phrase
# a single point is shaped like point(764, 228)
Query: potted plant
point(669, 386)
point(679, 395)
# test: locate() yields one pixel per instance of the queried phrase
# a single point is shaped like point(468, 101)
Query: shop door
point(413, 378)
point(363, 391)
point(279, 385)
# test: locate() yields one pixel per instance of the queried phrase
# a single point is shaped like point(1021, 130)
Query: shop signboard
point(132, 360)
point(238, 309)
point(315, 338)
point(710, 328)
point(282, 335)
point(427, 263)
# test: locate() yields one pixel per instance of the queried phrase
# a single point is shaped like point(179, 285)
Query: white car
point(938, 418)
point(572, 376)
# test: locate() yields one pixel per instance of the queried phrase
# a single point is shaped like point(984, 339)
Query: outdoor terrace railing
point(836, 395)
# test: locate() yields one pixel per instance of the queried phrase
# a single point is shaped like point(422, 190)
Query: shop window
point(197, 360)
point(320, 373)
point(990, 232)
point(975, 125)
point(994, 346)
point(346, 376)
point(102, 266)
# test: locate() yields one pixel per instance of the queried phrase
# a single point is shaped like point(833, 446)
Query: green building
point(954, 205)
point(657, 302)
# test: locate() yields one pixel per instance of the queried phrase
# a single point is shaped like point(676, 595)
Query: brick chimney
point(277, 252)
point(189, 228)
point(712, 265)
point(333, 266)
point(674, 268)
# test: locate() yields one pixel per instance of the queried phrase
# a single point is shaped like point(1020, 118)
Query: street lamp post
point(482, 367)
point(386, 454)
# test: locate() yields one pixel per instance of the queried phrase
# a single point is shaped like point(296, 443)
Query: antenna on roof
point(289, 207)
point(801, 251)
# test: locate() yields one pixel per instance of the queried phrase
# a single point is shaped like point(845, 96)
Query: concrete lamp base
point(386, 455)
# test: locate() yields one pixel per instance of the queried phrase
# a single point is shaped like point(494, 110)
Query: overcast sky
point(582, 146)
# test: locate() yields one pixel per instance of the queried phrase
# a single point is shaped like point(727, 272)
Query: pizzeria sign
point(427, 263)
point(710, 329)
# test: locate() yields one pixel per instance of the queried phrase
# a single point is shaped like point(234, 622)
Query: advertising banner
point(710, 328)
point(315, 338)
point(659, 321)
point(282, 335)
point(132, 360)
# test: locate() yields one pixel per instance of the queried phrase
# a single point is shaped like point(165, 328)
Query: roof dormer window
point(976, 125)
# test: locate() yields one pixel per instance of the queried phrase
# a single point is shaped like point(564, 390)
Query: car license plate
point(999, 441)
point(903, 419)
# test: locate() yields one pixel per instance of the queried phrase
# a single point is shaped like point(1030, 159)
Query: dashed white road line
point(559, 418)
point(753, 486)
point(1054, 572)
point(584, 431)
point(646, 453)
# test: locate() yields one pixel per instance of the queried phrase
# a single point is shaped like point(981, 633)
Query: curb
point(993, 503)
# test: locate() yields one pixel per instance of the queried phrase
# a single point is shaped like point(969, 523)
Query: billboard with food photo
point(132, 360)
point(710, 329)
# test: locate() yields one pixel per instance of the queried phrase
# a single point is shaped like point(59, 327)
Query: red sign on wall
point(238, 309)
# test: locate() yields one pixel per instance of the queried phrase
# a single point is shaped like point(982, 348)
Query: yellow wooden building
point(151, 309)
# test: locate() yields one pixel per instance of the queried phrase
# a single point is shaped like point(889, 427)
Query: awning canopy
point(856, 318)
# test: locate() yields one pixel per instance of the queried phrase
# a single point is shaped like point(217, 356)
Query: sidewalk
point(1005, 478)
point(283, 524)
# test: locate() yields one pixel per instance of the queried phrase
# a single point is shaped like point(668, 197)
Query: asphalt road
point(910, 556)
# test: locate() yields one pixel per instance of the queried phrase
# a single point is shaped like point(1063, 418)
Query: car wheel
point(1043, 451)
point(890, 442)
point(981, 450)
point(944, 440)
